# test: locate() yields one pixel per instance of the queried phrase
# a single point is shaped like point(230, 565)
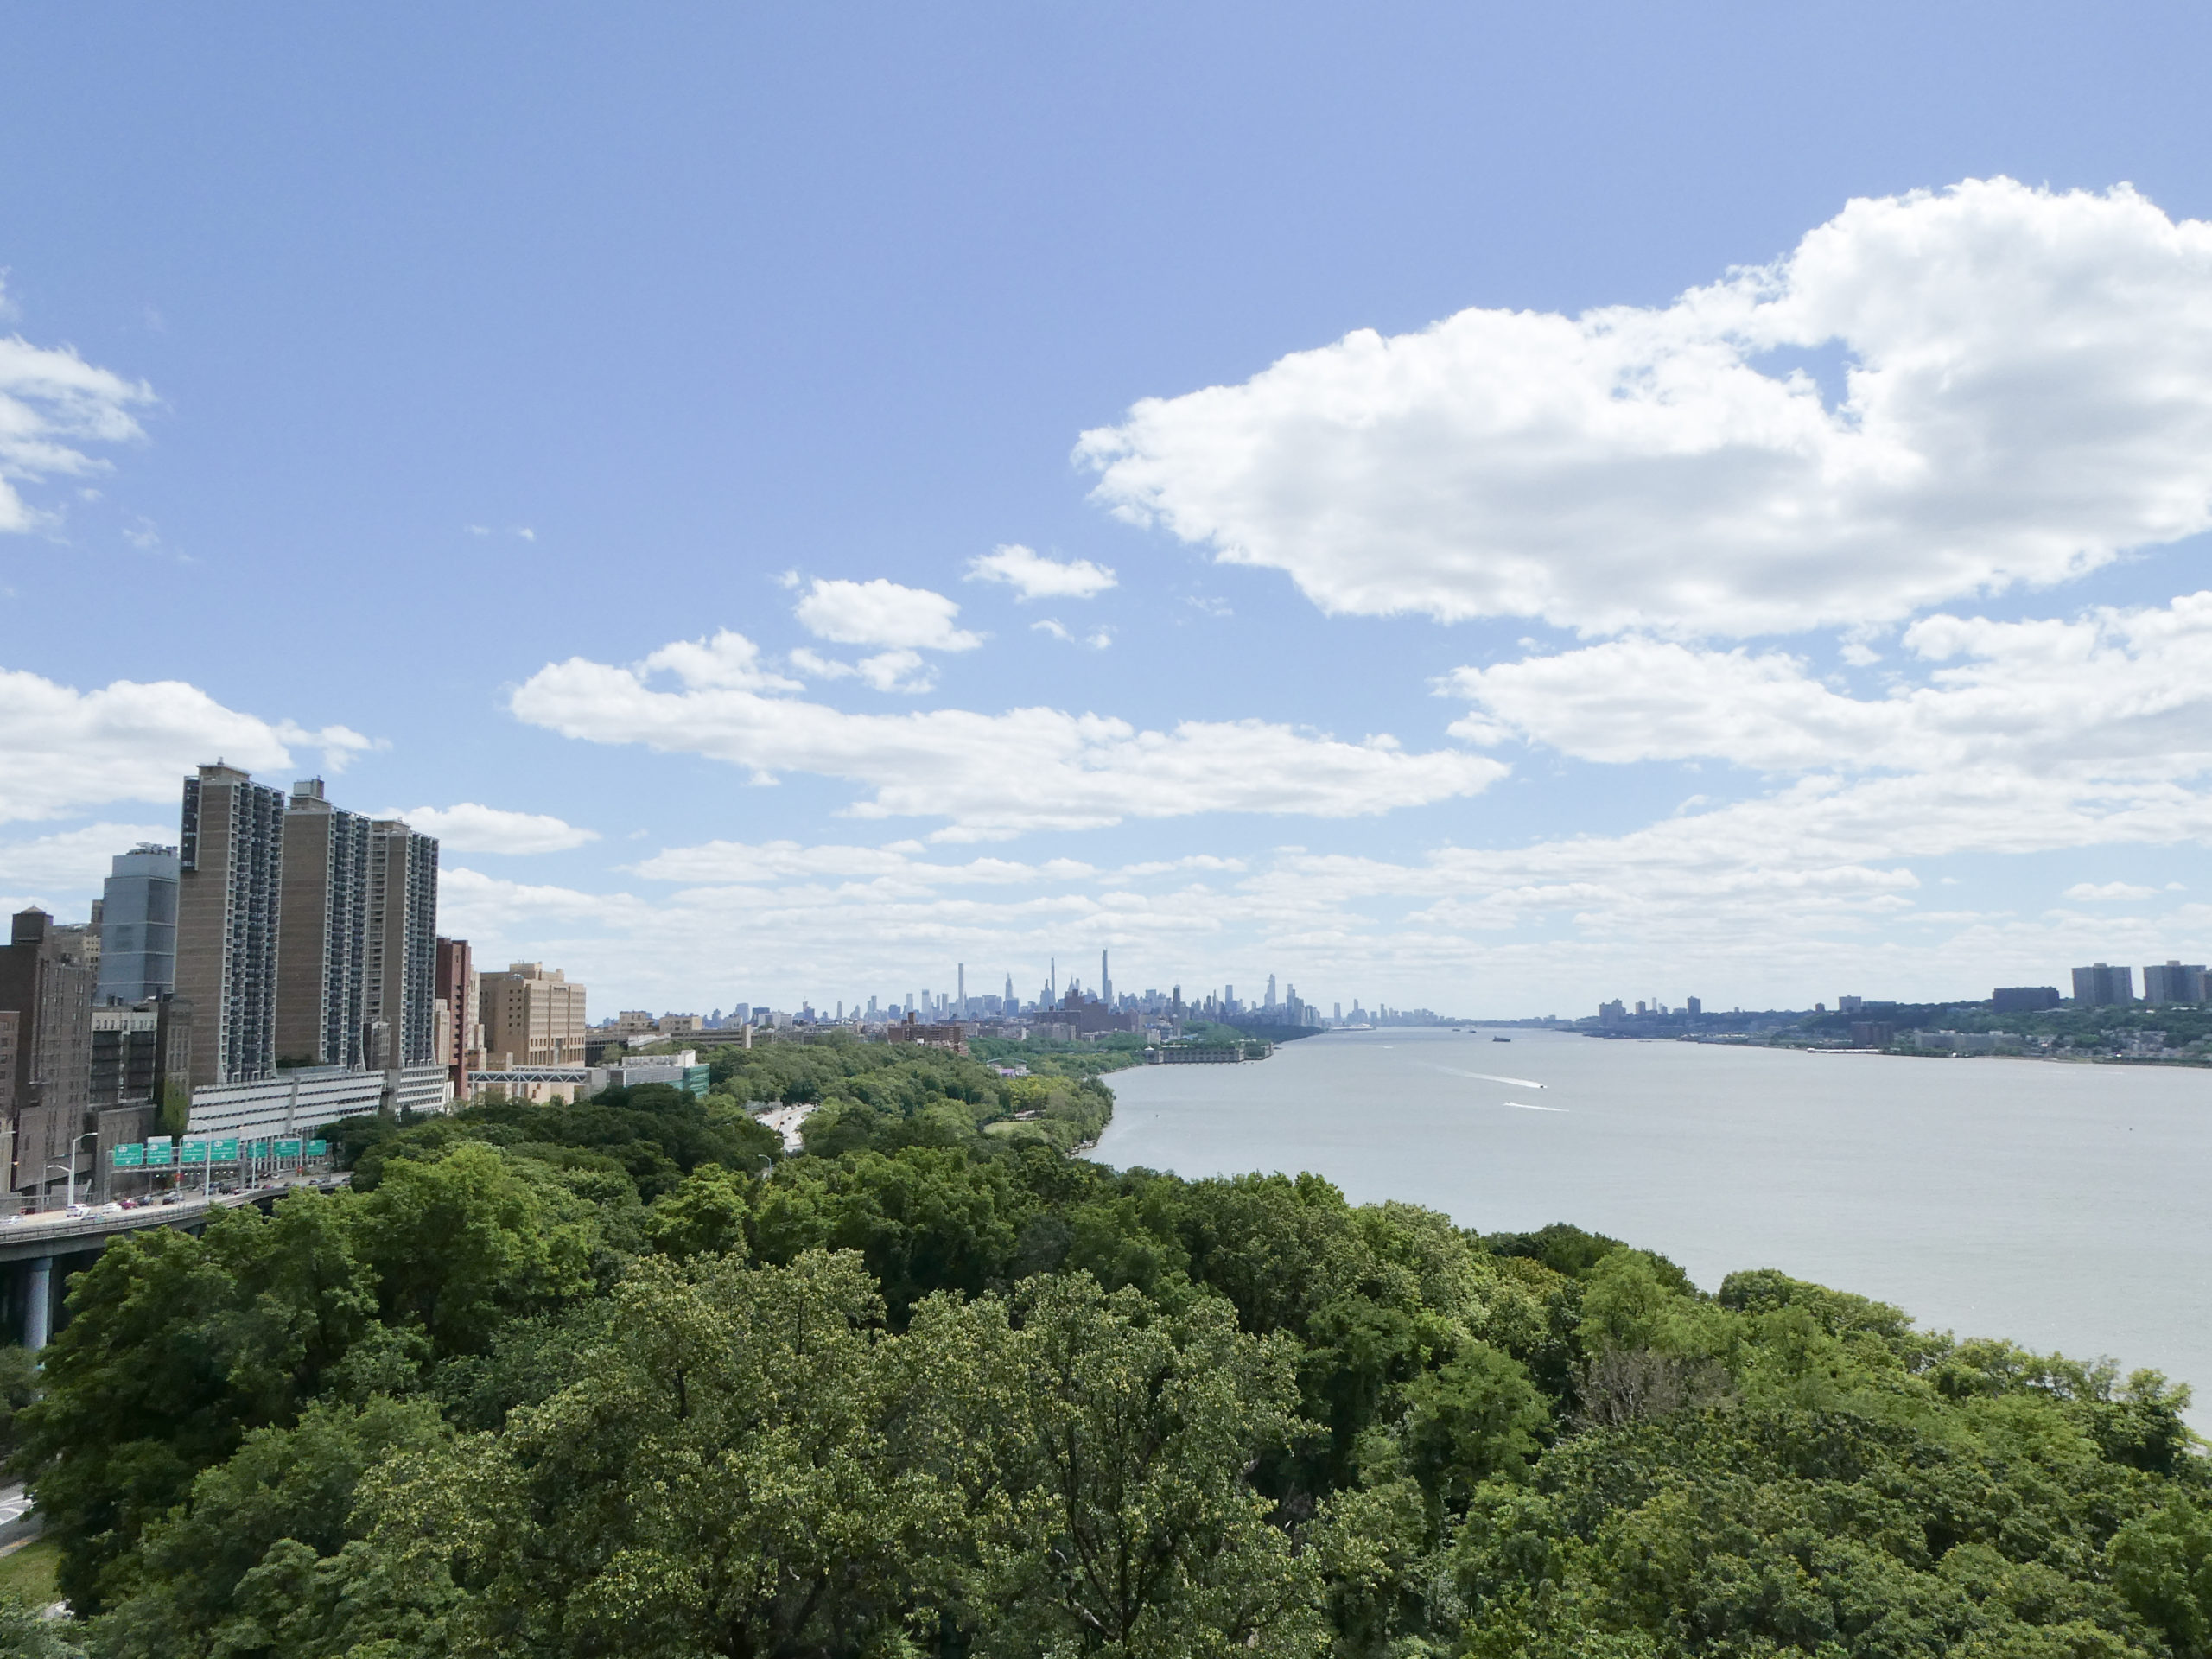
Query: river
point(2061, 1206)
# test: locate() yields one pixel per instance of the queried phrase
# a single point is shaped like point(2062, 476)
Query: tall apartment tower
point(1105, 982)
point(2100, 985)
point(46, 1002)
point(231, 868)
point(323, 944)
point(137, 958)
point(2174, 981)
point(403, 955)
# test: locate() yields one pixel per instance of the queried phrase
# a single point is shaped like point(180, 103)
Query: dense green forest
point(619, 1379)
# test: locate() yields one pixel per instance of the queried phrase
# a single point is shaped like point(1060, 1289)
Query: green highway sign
point(287, 1148)
point(157, 1157)
point(227, 1151)
point(130, 1157)
point(318, 1148)
point(194, 1152)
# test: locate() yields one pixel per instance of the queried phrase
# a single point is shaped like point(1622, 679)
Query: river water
point(2062, 1206)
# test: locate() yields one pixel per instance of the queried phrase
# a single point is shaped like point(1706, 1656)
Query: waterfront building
point(46, 999)
point(2174, 981)
point(230, 863)
point(137, 925)
point(2101, 986)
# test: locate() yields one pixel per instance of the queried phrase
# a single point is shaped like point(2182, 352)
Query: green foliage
point(618, 1379)
point(26, 1633)
point(18, 1388)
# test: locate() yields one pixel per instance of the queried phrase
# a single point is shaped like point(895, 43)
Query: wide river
point(2063, 1206)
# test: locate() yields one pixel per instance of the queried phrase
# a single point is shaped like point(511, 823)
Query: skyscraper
point(403, 957)
point(137, 958)
point(960, 1011)
point(231, 862)
point(1105, 982)
point(323, 941)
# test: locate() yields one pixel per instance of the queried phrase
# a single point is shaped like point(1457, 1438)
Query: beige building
point(532, 1016)
point(633, 1022)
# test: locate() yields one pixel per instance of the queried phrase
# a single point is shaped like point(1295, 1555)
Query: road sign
point(227, 1151)
point(194, 1152)
point(318, 1148)
point(157, 1157)
point(287, 1148)
point(130, 1157)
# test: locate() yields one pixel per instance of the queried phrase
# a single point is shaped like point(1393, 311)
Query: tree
point(1127, 1525)
point(175, 1347)
point(286, 1490)
point(721, 1475)
point(461, 1244)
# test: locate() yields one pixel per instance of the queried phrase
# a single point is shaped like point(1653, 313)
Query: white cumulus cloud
point(2026, 392)
point(2091, 893)
point(2113, 693)
point(994, 774)
point(63, 751)
point(73, 861)
point(1034, 576)
point(53, 403)
point(470, 828)
point(882, 613)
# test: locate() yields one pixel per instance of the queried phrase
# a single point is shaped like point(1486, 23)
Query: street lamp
point(69, 1169)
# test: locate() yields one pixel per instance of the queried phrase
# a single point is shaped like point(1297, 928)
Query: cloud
point(887, 671)
point(989, 774)
point(469, 828)
point(2026, 391)
point(63, 751)
point(882, 613)
point(2114, 693)
point(2088, 892)
point(74, 861)
point(1034, 576)
point(52, 403)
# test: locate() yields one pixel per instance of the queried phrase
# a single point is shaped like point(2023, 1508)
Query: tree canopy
point(620, 1379)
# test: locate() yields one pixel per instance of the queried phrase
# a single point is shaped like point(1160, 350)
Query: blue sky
point(445, 388)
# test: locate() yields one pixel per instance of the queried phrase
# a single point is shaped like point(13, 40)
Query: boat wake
point(1524, 1106)
point(1490, 1077)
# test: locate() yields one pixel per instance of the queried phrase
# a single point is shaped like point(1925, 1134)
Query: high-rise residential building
point(46, 987)
point(2100, 985)
point(960, 994)
point(1105, 982)
point(2023, 998)
point(229, 864)
point(464, 1022)
point(322, 1012)
point(137, 908)
point(2174, 981)
point(532, 1016)
point(401, 985)
point(1270, 1002)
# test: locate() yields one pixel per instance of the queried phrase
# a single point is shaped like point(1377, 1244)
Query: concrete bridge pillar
point(38, 1302)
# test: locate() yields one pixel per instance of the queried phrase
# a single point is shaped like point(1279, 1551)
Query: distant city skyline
point(797, 507)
